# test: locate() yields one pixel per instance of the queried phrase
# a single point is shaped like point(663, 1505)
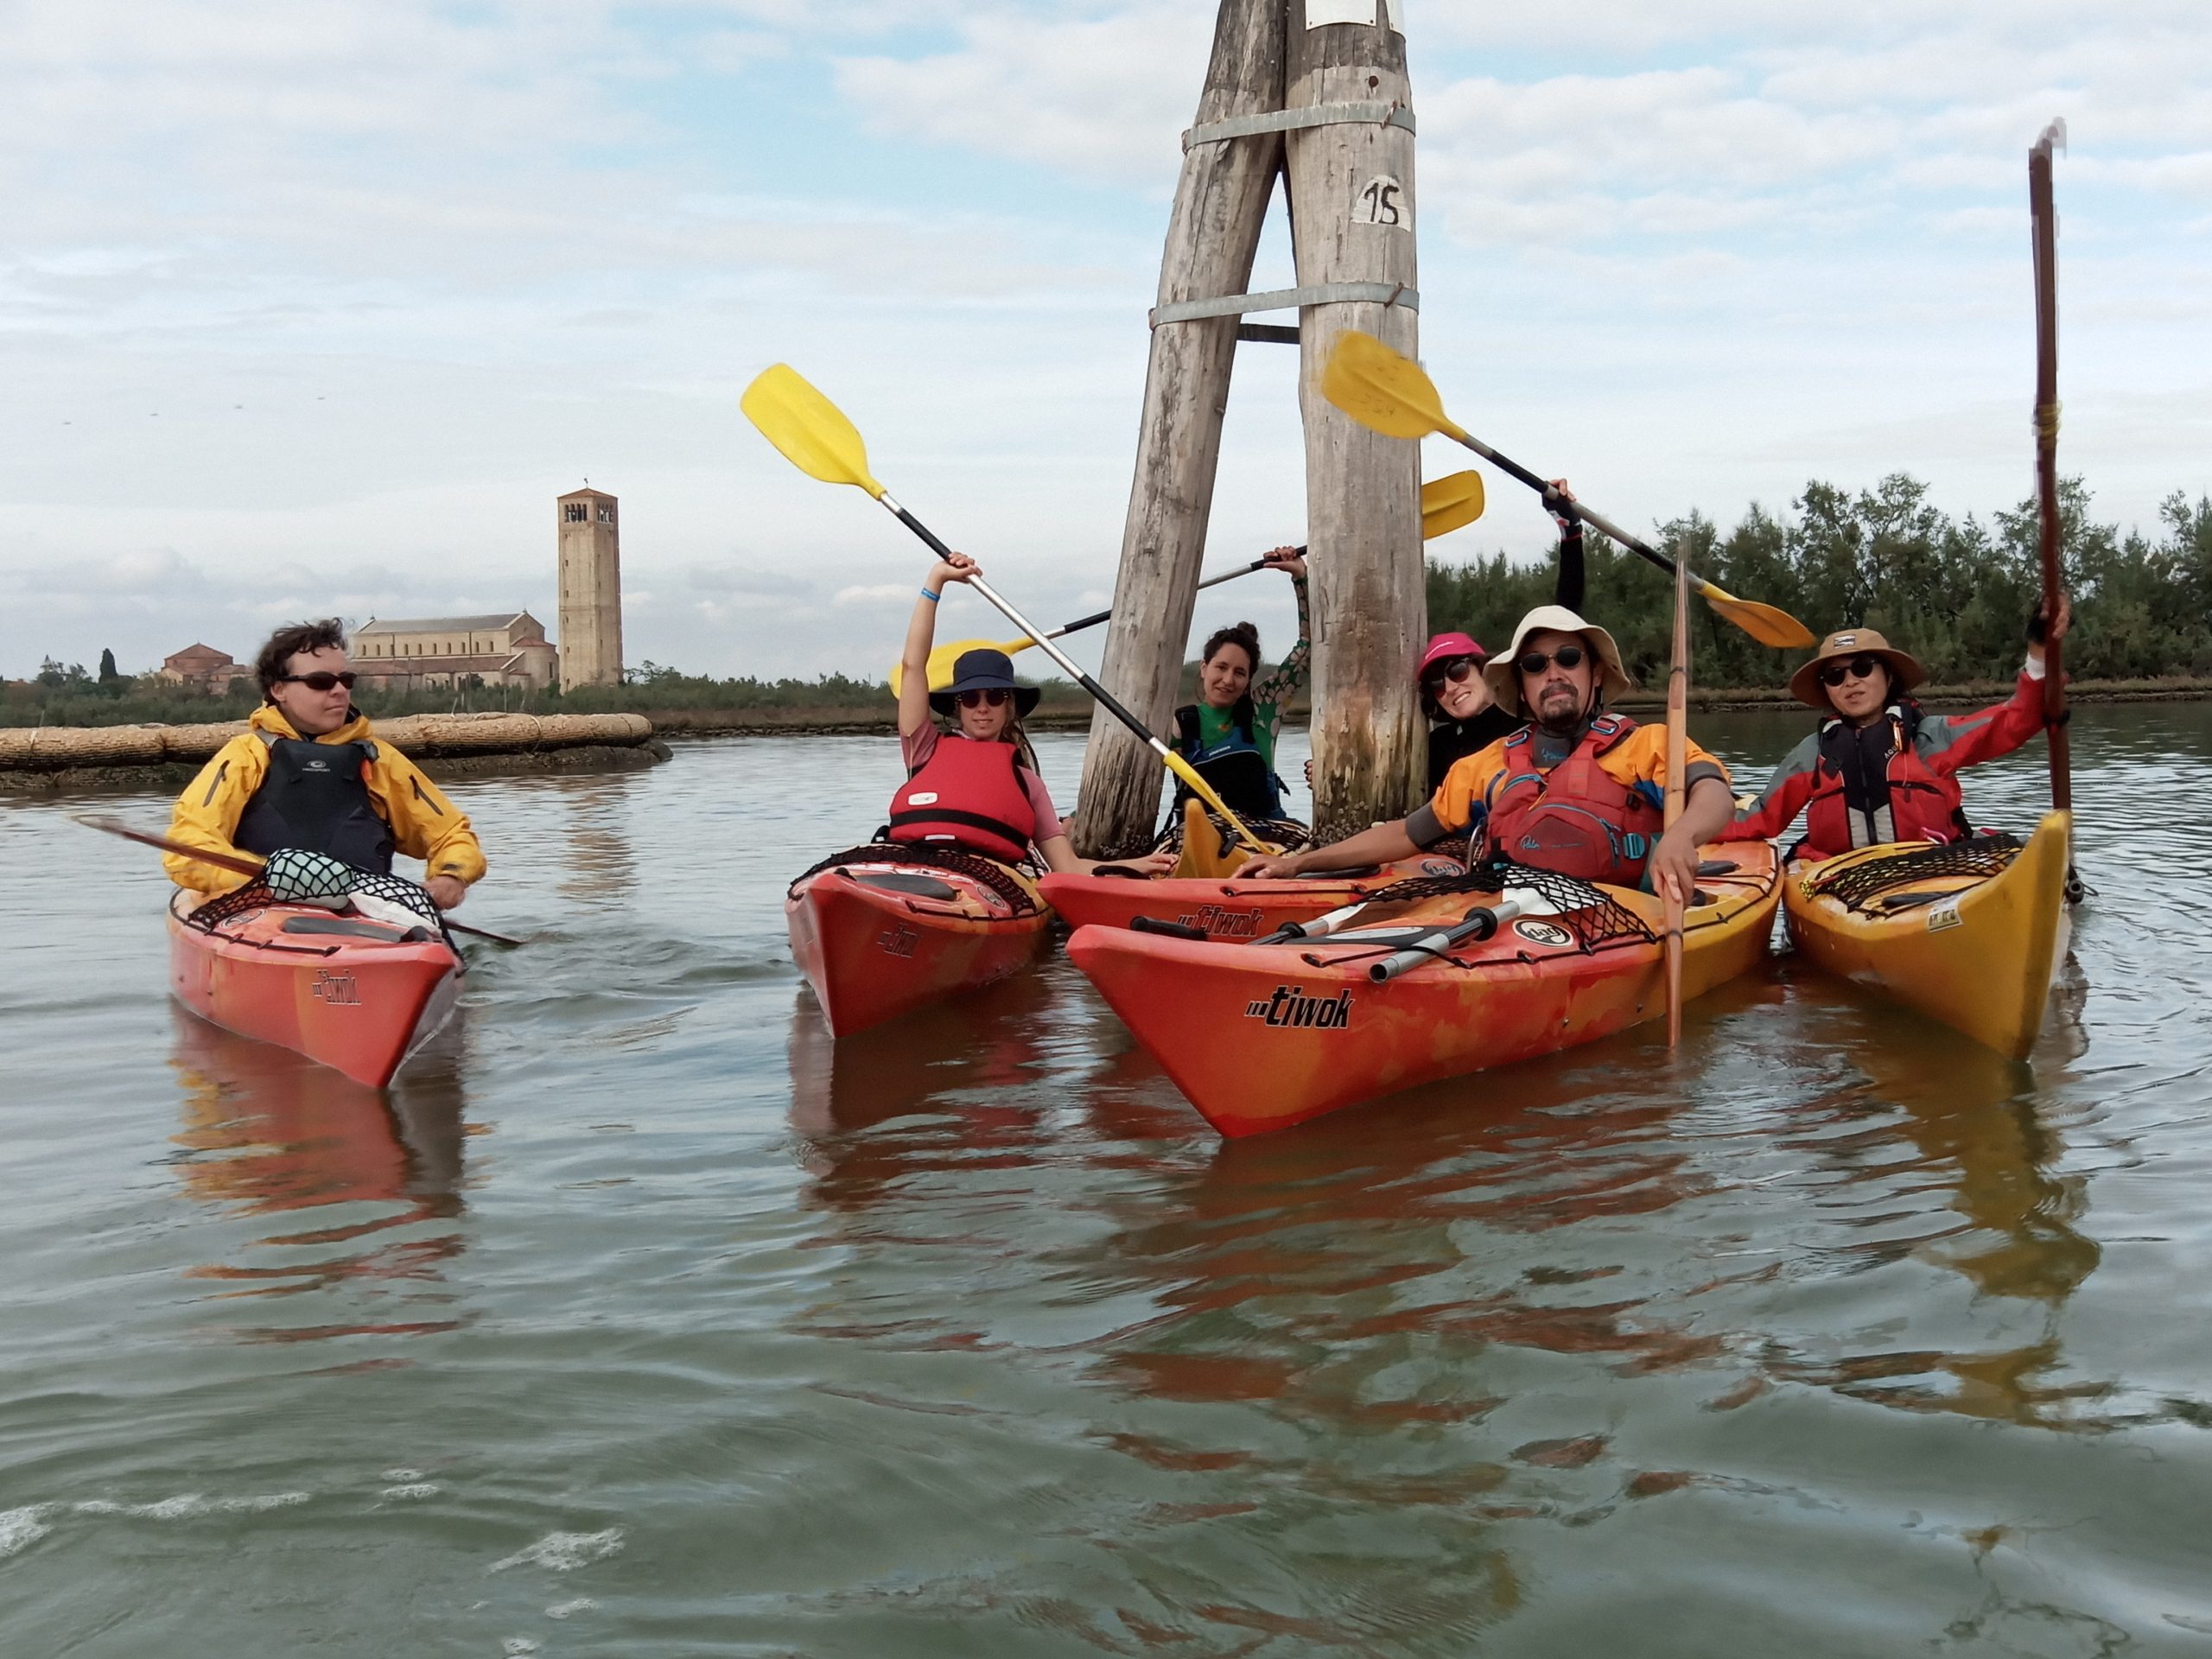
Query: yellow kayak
point(1970, 934)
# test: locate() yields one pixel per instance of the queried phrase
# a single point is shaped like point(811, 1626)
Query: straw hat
point(1805, 684)
point(1505, 679)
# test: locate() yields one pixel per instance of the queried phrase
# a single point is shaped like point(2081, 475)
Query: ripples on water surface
point(646, 1321)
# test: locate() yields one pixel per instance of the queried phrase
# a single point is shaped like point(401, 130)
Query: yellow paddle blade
point(811, 431)
point(1384, 390)
point(1767, 624)
point(1446, 504)
point(1203, 791)
point(942, 658)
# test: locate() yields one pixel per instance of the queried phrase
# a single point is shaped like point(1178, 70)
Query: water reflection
point(268, 1133)
point(598, 862)
point(964, 1057)
point(1925, 1119)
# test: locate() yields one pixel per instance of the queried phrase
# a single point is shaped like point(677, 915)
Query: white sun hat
point(1505, 679)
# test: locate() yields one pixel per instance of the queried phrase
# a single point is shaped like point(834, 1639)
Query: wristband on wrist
point(930, 595)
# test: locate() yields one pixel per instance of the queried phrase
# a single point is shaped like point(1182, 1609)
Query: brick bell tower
point(590, 542)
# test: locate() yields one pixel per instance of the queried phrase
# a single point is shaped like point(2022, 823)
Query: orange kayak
point(1226, 908)
point(1259, 1037)
point(880, 932)
point(355, 994)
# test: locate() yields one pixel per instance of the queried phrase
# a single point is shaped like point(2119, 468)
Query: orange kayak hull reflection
point(1227, 908)
point(353, 995)
point(1262, 1037)
point(873, 951)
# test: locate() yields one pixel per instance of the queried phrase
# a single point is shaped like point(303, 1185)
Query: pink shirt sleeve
point(916, 747)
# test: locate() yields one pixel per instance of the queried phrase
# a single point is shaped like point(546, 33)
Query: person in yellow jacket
point(310, 774)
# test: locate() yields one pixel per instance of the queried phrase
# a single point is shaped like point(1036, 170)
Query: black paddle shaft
point(1635, 544)
point(1096, 617)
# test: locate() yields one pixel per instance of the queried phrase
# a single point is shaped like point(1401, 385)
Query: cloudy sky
point(315, 305)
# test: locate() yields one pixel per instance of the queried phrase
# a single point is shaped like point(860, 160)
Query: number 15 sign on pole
point(1382, 201)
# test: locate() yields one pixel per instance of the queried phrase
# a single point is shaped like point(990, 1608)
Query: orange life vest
point(1576, 819)
point(967, 795)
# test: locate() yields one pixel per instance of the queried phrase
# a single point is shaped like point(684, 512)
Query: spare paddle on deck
point(242, 864)
point(1389, 393)
point(1446, 505)
point(1478, 924)
point(1678, 742)
point(814, 435)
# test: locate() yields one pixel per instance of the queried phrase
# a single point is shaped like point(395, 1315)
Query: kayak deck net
point(256, 895)
point(1594, 917)
point(989, 872)
point(1864, 886)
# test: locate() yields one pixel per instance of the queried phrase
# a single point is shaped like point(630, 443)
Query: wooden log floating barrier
point(78, 749)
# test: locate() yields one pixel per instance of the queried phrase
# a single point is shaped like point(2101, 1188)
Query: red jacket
point(966, 795)
point(1828, 777)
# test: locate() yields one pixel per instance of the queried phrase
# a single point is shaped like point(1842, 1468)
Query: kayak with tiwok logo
point(1225, 908)
point(1970, 933)
point(882, 929)
point(1259, 1036)
point(358, 993)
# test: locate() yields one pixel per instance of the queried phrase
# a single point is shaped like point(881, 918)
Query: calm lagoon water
point(646, 1321)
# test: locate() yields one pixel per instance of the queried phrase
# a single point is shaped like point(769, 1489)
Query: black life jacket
point(1236, 768)
point(316, 795)
point(1452, 740)
point(1874, 787)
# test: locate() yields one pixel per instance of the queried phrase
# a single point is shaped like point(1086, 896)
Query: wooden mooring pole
point(1221, 203)
point(1351, 197)
point(1316, 89)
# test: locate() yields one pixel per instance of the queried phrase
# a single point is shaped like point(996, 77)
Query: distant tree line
point(1956, 594)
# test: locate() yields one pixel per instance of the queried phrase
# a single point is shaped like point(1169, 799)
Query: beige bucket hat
point(1805, 684)
point(1505, 680)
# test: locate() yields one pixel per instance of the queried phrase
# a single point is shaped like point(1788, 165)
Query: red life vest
point(968, 795)
point(1915, 804)
point(1577, 819)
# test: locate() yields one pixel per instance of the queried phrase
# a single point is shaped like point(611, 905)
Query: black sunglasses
point(321, 680)
point(1857, 668)
point(1535, 662)
point(1458, 670)
point(990, 699)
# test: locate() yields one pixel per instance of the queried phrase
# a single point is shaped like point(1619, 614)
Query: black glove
point(1562, 511)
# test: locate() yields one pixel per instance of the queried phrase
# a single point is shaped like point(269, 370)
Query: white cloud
point(306, 309)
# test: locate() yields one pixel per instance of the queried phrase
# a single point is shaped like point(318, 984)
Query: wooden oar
point(241, 864)
point(1390, 393)
point(813, 435)
point(1446, 505)
point(1678, 743)
point(2045, 226)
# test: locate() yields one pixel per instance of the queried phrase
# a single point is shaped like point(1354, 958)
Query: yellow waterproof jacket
point(424, 823)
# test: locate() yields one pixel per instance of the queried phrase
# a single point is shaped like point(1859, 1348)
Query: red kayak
point(355, 994)
point(1225, 908)
point(1259, 1037)
point(880, 930)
